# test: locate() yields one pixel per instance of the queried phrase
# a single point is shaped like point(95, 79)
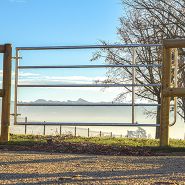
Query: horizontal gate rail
point(88, 47)
point(89, 124)
point(86, 104)
point(2, 92)
point(92, 85)
point(2, 48)
point(88, 66)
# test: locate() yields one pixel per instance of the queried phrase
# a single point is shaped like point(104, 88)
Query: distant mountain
point(80, 100)
point(75, 114)
point(45, 101)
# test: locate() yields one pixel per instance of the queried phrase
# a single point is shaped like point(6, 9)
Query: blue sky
point(59, 22)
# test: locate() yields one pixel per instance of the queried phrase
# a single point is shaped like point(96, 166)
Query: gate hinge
point(16, 58)
point(14, 114)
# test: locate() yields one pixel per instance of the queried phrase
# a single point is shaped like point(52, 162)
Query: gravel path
point(47, 168)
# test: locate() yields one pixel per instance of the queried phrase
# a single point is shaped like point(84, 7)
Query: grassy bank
point(96, 145)
point(134, 142)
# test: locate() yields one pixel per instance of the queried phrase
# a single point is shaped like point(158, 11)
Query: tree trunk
point(183, 109)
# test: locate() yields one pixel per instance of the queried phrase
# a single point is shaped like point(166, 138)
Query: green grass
point(126, 141)
point(115, 141)
point(26, 139)
point(31, 139)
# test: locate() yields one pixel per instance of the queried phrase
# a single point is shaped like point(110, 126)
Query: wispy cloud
point(35, 78)
point(22, 74)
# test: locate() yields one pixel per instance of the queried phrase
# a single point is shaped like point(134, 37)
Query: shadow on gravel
point(52, 160)
point(169, 167)
point(92, 148)
point(87, 177)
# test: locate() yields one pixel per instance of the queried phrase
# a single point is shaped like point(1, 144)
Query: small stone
point(64, 178)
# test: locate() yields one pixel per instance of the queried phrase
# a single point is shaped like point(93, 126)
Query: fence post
point(25, 129)
point(75, 131)
point(44, 130)
point(5, 118)
point(25, 126)
point(60, 130)
point(100, 133)
point(88, 132)
point(111, 134)
point(165, 101)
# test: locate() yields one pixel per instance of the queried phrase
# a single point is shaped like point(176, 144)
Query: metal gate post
point(165, 102)
point(5, 119)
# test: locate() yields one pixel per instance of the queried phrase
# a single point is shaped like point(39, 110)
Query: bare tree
point(170, 15)
point(146, 22)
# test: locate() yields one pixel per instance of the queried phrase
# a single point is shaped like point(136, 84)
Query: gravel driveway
point(47, 168)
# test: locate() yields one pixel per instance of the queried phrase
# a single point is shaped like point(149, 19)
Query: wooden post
point(6, 100)
point(60, 130)
point(25, 129)
point(165, 101)
point(75, 131)
point(100, 133)
point(44, 130)
point(88, 134)
point(25, 126)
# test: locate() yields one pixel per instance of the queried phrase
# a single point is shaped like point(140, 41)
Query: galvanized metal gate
point(134, 64)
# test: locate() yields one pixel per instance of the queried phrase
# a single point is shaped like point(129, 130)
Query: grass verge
point(135, 142)
point(93, 145)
